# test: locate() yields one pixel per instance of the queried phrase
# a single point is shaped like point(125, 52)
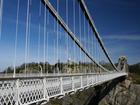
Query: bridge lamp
point(40, 69)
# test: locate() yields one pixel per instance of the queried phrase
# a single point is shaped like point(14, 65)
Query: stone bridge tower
point(122, 64)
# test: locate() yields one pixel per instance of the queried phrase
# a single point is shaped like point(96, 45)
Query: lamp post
point(40, 69)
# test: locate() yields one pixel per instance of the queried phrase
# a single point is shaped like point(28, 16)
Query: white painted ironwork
point(28, 90)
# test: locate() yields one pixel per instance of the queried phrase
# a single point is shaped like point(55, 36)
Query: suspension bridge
point(54, 49)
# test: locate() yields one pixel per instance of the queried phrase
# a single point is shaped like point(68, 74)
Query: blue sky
point(117, 22)
point(119, 26)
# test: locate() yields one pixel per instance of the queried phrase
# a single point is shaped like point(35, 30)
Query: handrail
point(48, 75)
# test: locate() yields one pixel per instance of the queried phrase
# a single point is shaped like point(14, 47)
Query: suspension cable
point(47, 41)
point(80, 33)
point(29, 34)
point(67, 10)
point(74, 50)
point(44, 42)
point(88, 44)
point(15, 54)
point(93, 48)
point(27, 28)
point(57, 35)
point(1, 13)
point(84, 36)
point(54, 43)
point(39, 34)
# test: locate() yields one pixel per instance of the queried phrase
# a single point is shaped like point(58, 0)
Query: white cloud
point(123, 37)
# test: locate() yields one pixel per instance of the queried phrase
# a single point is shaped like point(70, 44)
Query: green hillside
point(135, 72)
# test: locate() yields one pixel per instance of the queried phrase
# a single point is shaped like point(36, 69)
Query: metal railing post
point(92, 80)
point(87, 81)
point(45, 91)
point(72, 83)
point(17, 92)
point(81, 81)
point(61, 85)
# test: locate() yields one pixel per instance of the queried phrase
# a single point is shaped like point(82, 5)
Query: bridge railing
point(28, 90)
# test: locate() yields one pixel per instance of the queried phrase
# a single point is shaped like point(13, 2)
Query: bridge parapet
point(28, 90)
